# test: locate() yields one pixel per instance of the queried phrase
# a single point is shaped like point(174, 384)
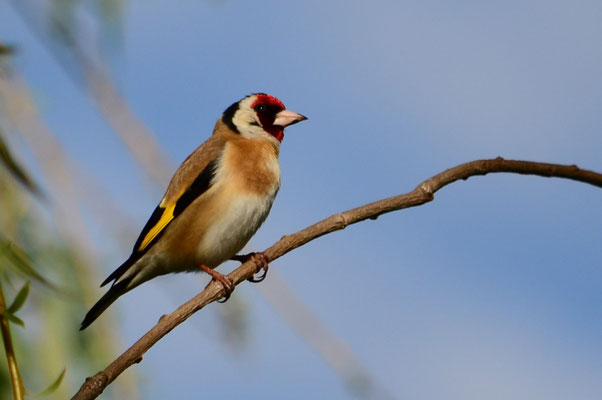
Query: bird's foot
point(260, 259)
point(226, 282)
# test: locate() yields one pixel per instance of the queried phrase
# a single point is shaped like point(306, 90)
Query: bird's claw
point(261, 277)
point(260, 259)
point(226, 282)
point(228, 285)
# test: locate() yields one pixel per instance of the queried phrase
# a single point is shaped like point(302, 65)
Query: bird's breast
point(246, 183)
point(233, 228)
point(250, 165)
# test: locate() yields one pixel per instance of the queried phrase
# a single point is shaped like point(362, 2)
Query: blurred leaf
point(19, 299)
point(6, 49)
point(19, 260)
point(234, 324)
point(111, 11)
point(53, 386)
point(18, 172)
point(61, 20)
point(13, 318)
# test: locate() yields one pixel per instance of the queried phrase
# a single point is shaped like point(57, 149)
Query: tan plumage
point(196, 162)
point(215, 202)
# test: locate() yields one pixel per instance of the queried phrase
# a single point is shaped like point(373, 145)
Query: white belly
point(234, 228)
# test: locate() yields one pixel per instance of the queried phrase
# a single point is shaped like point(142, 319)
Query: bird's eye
point(260, 108)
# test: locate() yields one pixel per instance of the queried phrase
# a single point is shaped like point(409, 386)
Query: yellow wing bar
point(165, 219)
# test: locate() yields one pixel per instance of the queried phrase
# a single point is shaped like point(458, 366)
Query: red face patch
point(267, 107)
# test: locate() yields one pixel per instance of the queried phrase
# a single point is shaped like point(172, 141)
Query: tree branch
point(423, 193)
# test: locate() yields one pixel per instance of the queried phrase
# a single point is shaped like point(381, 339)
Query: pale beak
point(287, 117)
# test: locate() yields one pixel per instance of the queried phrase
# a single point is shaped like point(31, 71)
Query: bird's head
point(260, 115)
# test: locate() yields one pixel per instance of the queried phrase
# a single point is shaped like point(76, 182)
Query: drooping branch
point(423, 193)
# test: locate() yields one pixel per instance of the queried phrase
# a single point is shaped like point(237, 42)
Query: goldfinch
point(215, 202)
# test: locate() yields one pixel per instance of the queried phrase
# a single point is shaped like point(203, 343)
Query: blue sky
point(491, 291)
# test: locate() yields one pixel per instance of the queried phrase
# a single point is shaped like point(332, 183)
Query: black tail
point(123, 268)
point(105, 301)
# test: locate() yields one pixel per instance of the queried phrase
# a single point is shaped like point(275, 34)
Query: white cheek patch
point(246, 121)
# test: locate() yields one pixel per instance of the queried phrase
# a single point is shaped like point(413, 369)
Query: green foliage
point(19, 299)
point(32, 255)
point(13, 318)
point(16, 305)
point(15, 258)
point(52, 387)
point(8, 161)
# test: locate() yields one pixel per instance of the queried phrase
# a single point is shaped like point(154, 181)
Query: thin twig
point(423, 193)
point(13, 368)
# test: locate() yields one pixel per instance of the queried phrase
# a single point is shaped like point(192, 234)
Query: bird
point(215, 202)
